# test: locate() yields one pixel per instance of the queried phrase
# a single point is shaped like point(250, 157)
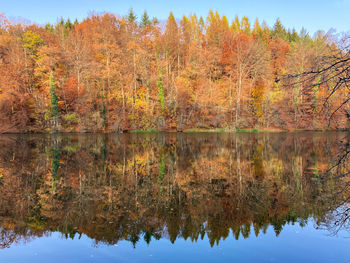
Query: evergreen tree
point(161, 93)
point(54, 100)
point(61, 22)
point(131, 16)
point(145, 22)
point(68, 25)
point(279, 30)
point(49, 27)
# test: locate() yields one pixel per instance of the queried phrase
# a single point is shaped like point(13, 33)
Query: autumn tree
point(120, 73)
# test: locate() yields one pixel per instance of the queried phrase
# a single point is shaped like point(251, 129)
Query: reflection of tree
point(133, 187)
point(9, 237)
point(55, 165)
point(338, 220)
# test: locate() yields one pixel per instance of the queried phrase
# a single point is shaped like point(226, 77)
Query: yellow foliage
point(140, 104)
point(276, 94)
point(275, 166)
point(258, 97)
point(100, 56)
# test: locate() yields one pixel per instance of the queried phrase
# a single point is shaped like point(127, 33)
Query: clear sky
point(311, 14)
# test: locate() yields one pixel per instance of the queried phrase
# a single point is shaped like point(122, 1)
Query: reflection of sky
point(312, 14)
point(294, 244)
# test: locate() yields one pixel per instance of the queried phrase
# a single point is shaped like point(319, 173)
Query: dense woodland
point(134, 187)
point(110, 73)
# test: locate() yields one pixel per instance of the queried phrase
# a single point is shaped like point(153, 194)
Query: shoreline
point(188, 131)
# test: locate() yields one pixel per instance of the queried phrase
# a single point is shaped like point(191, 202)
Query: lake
point(175, 197)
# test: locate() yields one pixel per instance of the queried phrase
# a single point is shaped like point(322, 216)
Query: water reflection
point(152, 186)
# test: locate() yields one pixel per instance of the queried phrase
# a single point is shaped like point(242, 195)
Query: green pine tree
point(161, 92)
point(131, 16)
point(145, 22)
point(54, 100)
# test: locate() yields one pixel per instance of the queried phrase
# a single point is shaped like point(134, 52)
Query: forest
point(112, 73)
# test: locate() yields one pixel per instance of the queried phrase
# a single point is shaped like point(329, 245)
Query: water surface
point(250, 197)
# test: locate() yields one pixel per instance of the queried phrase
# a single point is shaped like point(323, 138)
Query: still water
point(246, 197)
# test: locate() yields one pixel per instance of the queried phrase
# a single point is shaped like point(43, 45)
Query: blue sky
point(311, 14)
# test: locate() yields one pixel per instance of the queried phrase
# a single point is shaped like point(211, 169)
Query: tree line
point(111, 73)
